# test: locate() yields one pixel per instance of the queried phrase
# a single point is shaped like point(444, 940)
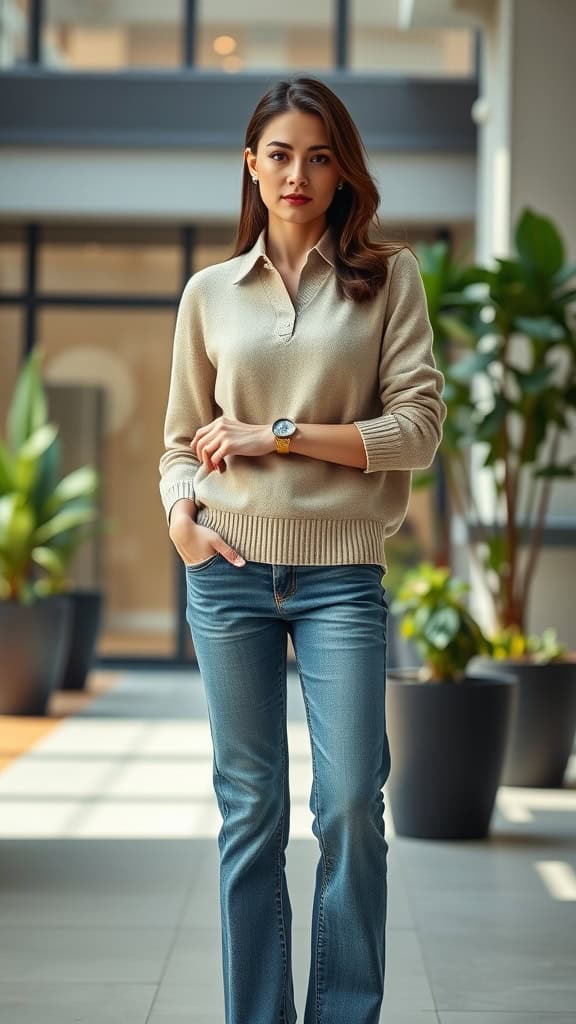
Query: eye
point(277, 154)
point(322, 156)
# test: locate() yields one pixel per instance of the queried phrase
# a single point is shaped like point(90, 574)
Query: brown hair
point(361, 262)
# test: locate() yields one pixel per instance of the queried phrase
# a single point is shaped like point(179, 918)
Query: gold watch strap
point(283, 445)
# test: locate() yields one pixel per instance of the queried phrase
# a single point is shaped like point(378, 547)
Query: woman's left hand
point(227, 436)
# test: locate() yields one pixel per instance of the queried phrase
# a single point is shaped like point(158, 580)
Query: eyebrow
point(286, 145)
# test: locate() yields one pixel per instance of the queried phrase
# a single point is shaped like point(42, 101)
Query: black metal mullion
point(341, 34)
point(188, 246)
point(30, 309)
point(35, 25)
point(190, 13)
point(477, 54)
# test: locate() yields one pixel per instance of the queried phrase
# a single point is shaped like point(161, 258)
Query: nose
point(297, 174)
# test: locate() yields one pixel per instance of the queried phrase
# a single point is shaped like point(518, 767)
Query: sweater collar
point(247, 260)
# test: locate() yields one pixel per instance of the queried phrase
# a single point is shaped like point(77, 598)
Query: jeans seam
point(326, 879)
point(279, 905)
point(197, 566)
point(279, 599)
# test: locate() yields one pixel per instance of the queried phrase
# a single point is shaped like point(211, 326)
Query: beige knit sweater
point(242, 349)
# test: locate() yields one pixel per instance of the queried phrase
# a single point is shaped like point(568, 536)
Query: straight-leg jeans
point(336, 615)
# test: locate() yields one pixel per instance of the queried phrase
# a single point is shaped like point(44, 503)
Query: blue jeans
point(336, 615)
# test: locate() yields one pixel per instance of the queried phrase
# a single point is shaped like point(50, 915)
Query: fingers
point(207, 457)
point(228, 552)
point(232, 556)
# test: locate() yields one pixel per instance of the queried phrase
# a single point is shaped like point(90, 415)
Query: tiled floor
point(109, 881)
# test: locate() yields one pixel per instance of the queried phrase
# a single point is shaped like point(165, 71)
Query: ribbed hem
point(298, 541)
point(382, 442)
point(173, 492)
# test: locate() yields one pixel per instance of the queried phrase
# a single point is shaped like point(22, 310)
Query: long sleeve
point(408, 433)
point(190, 401)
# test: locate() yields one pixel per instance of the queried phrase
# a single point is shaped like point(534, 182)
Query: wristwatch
point(283, 430)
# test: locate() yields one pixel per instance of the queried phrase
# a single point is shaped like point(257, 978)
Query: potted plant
point(542, 729)
point(40, 517)
point(56, 557)
point(506, 342)
point(447, 731)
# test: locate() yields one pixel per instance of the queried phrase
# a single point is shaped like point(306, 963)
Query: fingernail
point(239, 560)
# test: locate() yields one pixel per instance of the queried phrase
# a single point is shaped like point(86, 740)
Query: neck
point(288, 244)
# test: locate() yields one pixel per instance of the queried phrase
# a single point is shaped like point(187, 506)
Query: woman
point(303, 392)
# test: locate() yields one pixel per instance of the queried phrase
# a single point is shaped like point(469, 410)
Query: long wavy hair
point(361, 262)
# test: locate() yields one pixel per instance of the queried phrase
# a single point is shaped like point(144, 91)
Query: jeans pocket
point(197, 566)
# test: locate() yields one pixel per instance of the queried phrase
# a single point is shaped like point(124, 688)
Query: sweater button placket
point(285, 327)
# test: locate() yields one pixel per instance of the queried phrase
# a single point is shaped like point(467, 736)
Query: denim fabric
point(239, 619)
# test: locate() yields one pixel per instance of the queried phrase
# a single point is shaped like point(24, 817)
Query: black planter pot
point(447, 747)
point(86, 618)
point(544, 722)
point(33, 644)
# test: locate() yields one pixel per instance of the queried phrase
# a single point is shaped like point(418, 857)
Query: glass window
point(377, 43)
point(13, 32)
point(117, 34)
point(234, 36)
point(92, 259)
point(12, 263)
point(212, 245)
point(107, 372)
point(11, 328)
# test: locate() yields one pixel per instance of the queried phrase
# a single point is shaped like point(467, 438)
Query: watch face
point(283, 428)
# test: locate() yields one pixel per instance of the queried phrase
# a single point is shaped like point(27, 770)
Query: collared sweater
point(243, 349)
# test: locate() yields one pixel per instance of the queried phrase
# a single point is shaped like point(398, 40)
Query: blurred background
point(121, 138)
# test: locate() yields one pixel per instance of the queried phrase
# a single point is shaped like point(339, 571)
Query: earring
point(340, 185)
point(255, 180)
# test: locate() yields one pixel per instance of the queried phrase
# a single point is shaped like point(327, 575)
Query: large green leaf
point(442, 627)
point(6, 470)
point(565, 297)
point(28, 408)
point(80, 483)
point(491, 424)
point(456, 330)
point(535, 381)
point(48, 475)
point(467, 367)
point(564, 274)
point(538, 242)
point(28, 459)
point(64, 520)
point(17, 525)
point(567, 470)
point(38, 441)
point(49, 559)
point(543, 327)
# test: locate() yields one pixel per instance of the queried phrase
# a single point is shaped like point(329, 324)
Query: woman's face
point(294, 155)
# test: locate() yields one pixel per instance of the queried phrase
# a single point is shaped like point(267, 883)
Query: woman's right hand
point(195, 543)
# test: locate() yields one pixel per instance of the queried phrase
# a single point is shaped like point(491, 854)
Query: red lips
point(296, 200)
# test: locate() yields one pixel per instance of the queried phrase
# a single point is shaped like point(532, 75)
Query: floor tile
point(63, 955)
point(514, 970)
point(70, 1002)
point(526, 1017)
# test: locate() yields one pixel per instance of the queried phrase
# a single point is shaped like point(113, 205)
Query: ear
point(250, 160)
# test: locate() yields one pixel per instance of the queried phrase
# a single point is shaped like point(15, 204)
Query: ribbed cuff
point(382, 442)
point(173, 492)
